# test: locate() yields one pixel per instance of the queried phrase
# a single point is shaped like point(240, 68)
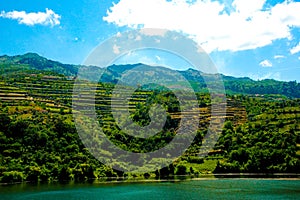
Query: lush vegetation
point(233, 85)
point(267, 143)
point(39, 142)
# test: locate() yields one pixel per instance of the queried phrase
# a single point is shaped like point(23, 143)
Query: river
point(181, 190)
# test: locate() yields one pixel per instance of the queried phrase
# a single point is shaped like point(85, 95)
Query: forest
point(39, 141)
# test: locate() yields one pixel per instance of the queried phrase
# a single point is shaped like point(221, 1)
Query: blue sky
point(258, 38)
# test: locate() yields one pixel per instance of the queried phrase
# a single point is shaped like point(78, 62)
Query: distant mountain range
point(233, 85)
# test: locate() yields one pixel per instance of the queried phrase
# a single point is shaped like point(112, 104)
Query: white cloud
point(215, 26)
point(266, 63)
point(116, 49)
point(246, 9)
point(279, 56)
point(138, 38)
point(276, 76)
point(119, 34)
point(295, 49)
point(44, 18)
point(270, 75)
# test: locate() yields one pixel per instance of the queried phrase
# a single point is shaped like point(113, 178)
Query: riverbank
point(108, 180)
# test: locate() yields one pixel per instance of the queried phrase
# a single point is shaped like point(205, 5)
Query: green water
point(186, 190)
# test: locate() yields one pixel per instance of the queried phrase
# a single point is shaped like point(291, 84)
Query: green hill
point(33, 61)
point(39, 141)
point(112, 74)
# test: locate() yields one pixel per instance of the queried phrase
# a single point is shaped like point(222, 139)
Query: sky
point(259, 39)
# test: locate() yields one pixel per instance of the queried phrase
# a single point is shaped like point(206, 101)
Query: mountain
point(33, 61)
point(113, 74)
point(39, 140)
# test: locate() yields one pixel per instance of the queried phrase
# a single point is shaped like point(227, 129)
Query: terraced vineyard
point(39, 141)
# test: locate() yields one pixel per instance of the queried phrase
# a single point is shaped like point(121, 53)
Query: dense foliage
point(39, 142)
point(267, 143)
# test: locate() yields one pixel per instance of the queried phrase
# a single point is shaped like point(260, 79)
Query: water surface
point(186, 190)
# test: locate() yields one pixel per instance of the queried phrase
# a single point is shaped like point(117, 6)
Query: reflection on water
point(192, 189)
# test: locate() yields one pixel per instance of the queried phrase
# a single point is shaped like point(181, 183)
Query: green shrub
point(12, 177)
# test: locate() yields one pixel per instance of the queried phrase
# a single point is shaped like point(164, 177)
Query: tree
point(180, 169)
point(4, 122)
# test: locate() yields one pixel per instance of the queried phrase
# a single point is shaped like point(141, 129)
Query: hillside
point(39, 142)
point(32, 61)
point(233, 85)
